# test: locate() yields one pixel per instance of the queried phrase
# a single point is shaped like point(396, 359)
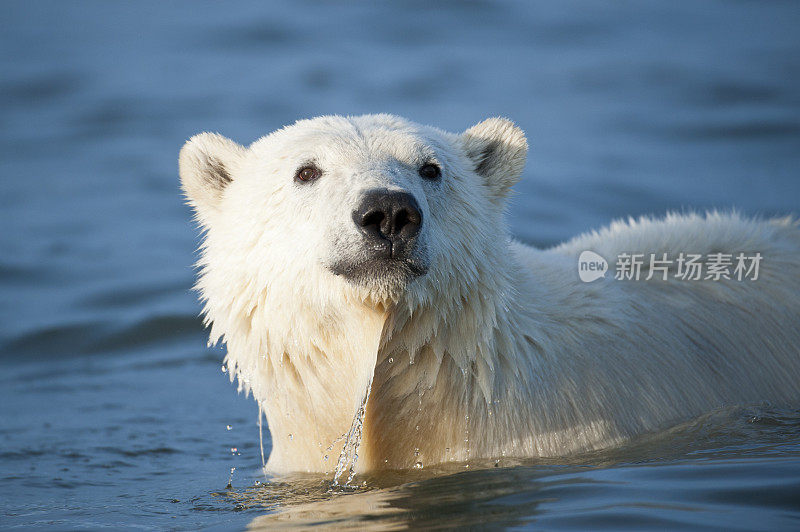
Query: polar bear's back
point(775, 241)
point(675, 233)
point(690, 233)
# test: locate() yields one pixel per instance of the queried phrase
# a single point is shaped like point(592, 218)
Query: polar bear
point(362, 275)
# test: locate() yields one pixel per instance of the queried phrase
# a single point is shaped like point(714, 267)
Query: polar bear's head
point(322, 239)
point(374, 205)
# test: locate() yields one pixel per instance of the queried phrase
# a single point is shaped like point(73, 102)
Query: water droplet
point(291, 436)
point(418, 465)
point(447, 449)
point(228, 427)
point(391, 360)
point(417, 427)
point(224, 368)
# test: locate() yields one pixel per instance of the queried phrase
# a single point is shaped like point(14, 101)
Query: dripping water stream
point(261, 435)
point(349, 455)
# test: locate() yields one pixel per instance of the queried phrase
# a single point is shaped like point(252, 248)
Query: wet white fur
point(499, 350)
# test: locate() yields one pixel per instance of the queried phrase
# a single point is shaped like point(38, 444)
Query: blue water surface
point(113, 414)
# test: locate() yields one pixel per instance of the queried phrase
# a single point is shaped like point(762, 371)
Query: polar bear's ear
point(498, 149)
point(205, 164)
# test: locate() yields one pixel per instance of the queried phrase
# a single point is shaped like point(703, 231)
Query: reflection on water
point(726, 462)
point(113, 414)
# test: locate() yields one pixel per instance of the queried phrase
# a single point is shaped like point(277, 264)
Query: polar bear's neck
point(316, 388)
point(444, 368)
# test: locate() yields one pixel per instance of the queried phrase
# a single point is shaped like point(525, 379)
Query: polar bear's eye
point(308, 173)
point(430, 171)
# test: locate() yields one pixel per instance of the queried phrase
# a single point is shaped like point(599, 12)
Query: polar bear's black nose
point(392, 216)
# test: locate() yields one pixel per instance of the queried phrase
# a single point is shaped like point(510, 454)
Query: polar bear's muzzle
point(389, 224)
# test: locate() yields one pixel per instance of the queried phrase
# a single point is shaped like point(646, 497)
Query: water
point(348, 458)
point(112, 412)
